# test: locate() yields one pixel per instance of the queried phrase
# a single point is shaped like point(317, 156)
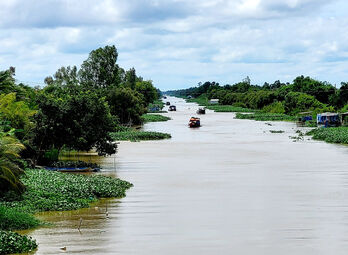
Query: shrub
point(11, 242)
point(276, 107)
point(12, 219)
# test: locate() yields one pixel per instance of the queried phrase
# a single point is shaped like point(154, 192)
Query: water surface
point(228, 187)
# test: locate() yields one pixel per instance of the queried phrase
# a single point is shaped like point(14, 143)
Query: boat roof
point(328, 114)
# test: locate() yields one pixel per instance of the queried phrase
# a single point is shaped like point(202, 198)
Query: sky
point(178, 43)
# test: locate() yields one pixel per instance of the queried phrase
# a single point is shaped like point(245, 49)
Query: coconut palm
point(9, 170)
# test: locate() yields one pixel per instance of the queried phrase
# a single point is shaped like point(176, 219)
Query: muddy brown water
point(228, 187)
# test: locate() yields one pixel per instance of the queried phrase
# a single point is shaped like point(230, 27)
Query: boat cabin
point(201, 110)
point(214, 101)
point(328, 119)
point(194, 122)
point(305, 116)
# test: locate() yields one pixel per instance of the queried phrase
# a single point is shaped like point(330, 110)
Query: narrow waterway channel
point(228, 187)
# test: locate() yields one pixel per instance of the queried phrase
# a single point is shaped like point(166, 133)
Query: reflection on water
point(230, 186)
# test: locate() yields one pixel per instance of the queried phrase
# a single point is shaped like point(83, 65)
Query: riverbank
point(134, 135)
point(330, 135)
point(50, 191)
point(203, 101)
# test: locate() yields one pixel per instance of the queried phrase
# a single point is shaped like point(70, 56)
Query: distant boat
point(172, 108)
point(194, 122)
point(201, 110)
point(167, 103)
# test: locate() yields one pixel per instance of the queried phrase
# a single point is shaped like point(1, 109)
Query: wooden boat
point(201, 110)
point(172, 108)
point(167, 103)
point(194, 122)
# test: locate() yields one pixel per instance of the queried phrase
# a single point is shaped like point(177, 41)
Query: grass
point(260, 116)
point(228, 108)
point(11, 242)
point(13, 219)
point(134, 135)
point(154, 118)
point(330, 135)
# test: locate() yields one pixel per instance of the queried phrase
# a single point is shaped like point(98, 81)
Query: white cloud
point(179, 43)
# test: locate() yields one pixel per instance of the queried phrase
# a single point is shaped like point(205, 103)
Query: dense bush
point(12, 219)
point(276, 107)
point(11, 242)
point(296, 102)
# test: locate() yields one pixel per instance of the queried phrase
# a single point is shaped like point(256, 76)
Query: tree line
point(75, 110)
point(303, 94)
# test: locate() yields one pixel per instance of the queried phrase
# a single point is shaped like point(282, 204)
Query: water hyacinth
point(139, 135)
point(259, 116)
point(11, 242)
point(331, 135)
point(55, 191)
point(154, 118)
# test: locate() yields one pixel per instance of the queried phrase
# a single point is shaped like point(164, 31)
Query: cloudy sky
point(178, 43)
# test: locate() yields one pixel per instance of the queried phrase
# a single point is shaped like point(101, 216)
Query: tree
point(296, 102)
point(130, 78)
point(64, 76)
point(80, 121)
point(17, 113)
point(7, 82)
point(126, 104)
point(100, 70)
point(320, 90)
point(148, 91)
point(9, 169)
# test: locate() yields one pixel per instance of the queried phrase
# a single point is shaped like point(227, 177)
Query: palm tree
point(9, 170)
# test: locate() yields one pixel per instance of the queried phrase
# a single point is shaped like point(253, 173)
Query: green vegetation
point(260, 116)
point(303, 94)
point(156, 106)
point(13, 219)
point(79, 109)
point(10, 171)
point(204, 101)
point(330, 135)
point(11, 242)
point(55, 191)
point(276, 131)
point(134, 135)
point(228, 108)
point(154, 118)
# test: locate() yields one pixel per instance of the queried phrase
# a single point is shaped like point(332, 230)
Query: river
point(228, 187)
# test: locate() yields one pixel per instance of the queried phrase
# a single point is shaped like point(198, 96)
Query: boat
point(167, 103)
point(194, 122)
point(172, 108)
point(201, 110)
point(73, 169)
